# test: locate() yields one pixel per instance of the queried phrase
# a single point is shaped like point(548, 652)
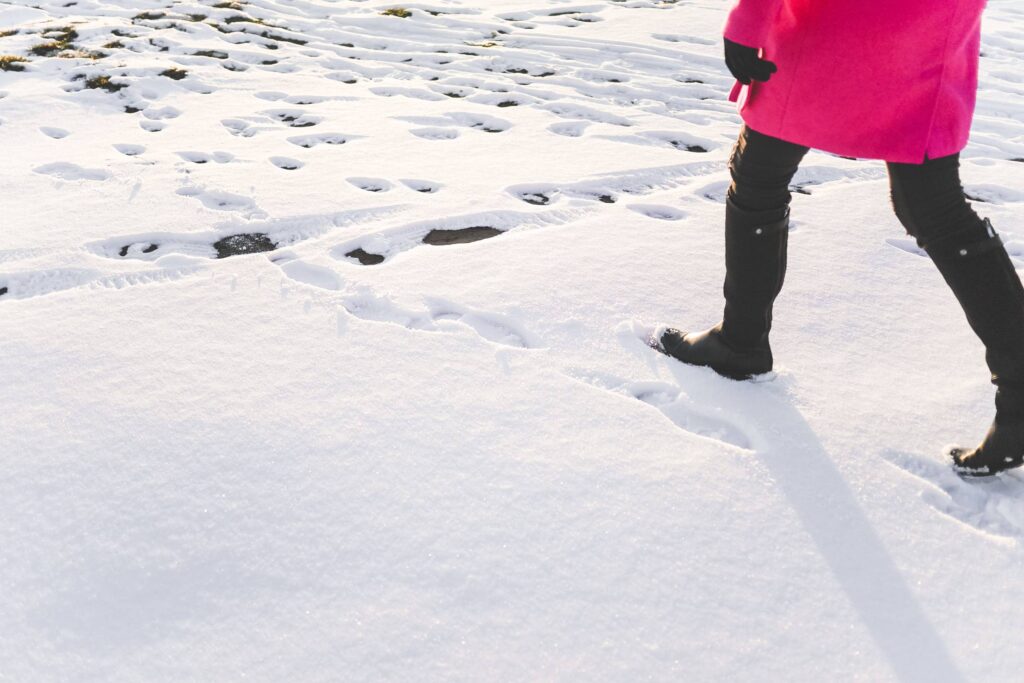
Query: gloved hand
point(745, 64)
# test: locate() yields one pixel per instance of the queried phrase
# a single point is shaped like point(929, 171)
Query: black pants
point(930, 203)
point(928, 198)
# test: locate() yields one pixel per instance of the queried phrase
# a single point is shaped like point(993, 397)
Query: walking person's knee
point(762, 168)
point(930, 203)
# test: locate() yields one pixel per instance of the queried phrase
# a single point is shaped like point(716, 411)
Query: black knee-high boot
point(755, 259)
point(986, 284)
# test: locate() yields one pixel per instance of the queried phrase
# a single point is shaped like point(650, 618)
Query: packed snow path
point(321, 361)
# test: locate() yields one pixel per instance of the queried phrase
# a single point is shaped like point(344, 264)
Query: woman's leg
point(756, 240)
point(756, 234)
point(762, 167)
point(929, 200)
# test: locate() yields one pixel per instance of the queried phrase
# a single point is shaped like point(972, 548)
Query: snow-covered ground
point(368, 455)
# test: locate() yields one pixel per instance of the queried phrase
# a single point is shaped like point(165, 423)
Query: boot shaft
point(755, 262)
point(985, 282)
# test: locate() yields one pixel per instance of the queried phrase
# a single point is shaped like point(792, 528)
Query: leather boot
point(986, 284)
point(755, 263)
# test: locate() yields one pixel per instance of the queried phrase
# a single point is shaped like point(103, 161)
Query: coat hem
point(896, 157)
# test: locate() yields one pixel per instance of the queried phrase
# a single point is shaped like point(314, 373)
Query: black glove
point(745, 64)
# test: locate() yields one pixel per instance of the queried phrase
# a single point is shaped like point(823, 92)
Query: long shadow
point(832, 517)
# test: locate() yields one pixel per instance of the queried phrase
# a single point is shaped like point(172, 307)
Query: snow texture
point(323, 360)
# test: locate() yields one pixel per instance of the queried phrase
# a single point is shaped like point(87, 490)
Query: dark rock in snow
point(246, 243)
point(364, 257)
point(460, 236)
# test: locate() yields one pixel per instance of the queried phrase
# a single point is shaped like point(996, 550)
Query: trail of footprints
point(438, 315)
point(453, 53)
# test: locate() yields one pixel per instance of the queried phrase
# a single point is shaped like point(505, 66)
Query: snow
point(381, 452)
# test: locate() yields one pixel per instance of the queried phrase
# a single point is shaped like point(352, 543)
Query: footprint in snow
point(421, 186)
point(673, 403)
point(204, 158)
point(310, 141)
point(658, 212)
point(676, 139)
point(277, 96)
point(993, 194)
point(674, 38)
point(313, 275)
point(413, 93)
point(161, 113)
point(68, 171)
point(435, 133)
point(536, 194)
point(569, 129)
point(270, 95)
point(221, 201)
point(716, 191)
point(239, 128)
point(152, 126)
point(441, 315)
point(287, 163)
point(55, 133)
point(457, 93)
point(295, 118)
point(371, 184)
point(129, 150)
point(488, 124)
point(500, 329)
point(993, 506)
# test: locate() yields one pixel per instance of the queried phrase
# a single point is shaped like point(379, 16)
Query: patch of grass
point(241, 17)
point(59, 39)
point(46, 49)
point(113, 45)
point(104, 83)
point(237, 6)
point(174, 74)
point(61, 34)
point(4, 34)
point(149, 16)
point(399, 12)
point(12, 63)
point(283, 39)
point(196, 17)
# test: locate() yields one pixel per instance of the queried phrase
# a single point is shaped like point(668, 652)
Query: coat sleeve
point(751, 20)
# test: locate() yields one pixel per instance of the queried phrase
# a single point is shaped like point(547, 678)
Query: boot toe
point(669, 340)
point(962, 459)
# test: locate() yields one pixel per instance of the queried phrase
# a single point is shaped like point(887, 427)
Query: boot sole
point(985, 472)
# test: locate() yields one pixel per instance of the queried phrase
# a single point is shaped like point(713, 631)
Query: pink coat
point(877, 79)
